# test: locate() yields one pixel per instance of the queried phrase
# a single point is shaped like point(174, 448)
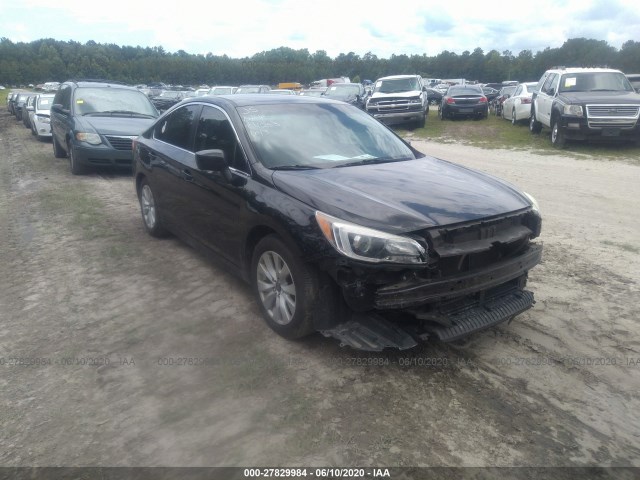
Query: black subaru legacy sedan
point(338, 224)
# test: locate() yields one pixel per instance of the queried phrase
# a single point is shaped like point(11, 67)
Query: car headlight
point(369, 245)
point(574, 110)
point(533, 201)
point(43, 119)
point(414, 100)
point(91, 138)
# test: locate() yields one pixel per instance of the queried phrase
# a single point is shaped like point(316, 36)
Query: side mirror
point(57, 107)
point(211, 160)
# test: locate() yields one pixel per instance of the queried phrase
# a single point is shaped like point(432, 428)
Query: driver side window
point(177, 127)
point(214, 131)
point(546, 88)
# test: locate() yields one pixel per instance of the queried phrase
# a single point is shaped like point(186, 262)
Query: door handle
point(186, 174)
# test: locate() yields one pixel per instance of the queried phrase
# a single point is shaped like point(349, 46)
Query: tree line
point(44, 60)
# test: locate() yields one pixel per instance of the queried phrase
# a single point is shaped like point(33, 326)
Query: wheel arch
point(257, 233)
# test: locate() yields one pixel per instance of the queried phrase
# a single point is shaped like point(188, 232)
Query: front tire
point(58, 152)
point(557, 135)
point(76, 167)
point(535, 127)
point(288, 290)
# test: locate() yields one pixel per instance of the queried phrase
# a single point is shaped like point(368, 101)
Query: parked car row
point(33, 109)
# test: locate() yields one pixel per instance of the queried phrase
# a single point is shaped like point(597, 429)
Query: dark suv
point(93, 123)
point(582, 103)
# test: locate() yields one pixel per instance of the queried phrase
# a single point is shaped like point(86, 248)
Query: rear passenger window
point(177, 127)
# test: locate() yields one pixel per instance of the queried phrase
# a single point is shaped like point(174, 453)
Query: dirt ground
point(117, 349)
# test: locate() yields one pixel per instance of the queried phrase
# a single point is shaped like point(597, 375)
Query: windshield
point(508, 90)
point(248, 90)
point(319, 135)
point(221, 91)
point(90, 100)
point(44, 103)
point(461, 91)
point(170, 94)
point(342, 92)
point(595, 81)
point(397, 85)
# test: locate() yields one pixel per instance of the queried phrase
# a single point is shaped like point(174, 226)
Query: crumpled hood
point(402, 196)
point(600, 97)
point(115, 125)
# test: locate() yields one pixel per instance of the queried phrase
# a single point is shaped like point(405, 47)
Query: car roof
point(393, 77)
point(259, 99)
point(100, 84)
point(583, 70)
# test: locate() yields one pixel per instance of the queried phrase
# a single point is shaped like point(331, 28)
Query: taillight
point(525, 100)
point(450, 100)
point(483, 99)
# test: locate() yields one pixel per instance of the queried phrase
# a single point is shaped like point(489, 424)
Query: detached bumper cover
point(414, 294)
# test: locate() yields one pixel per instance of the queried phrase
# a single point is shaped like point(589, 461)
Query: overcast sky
point(383, 27)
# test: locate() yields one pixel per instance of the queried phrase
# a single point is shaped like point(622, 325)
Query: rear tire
point(513, 116)
point(535, 127)
point(149, 209)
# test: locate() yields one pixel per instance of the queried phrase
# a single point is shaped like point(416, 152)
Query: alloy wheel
point(276, 287)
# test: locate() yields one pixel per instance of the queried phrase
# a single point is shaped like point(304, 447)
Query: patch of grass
point(627, 247)
point(498, 133)
point(83, 211)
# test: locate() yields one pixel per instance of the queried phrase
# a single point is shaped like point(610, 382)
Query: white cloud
point(244, 28)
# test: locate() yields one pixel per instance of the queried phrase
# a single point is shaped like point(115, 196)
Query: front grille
point(397, 105)
point(121, 142)
point(619, 111)
point(479, 244)
point(612, 116)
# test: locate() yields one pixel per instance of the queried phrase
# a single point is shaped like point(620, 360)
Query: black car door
point(170, 152)
point(219, 196)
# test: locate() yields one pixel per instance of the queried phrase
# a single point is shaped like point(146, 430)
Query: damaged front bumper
point(448, 309)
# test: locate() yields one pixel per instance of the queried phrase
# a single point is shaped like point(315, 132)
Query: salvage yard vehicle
point(464, 101)
point(40, 115)
point(517, 107)
point(93, 123)
point(585, 103)
point(339, 225)
point(399, 99)
point(352, 93)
